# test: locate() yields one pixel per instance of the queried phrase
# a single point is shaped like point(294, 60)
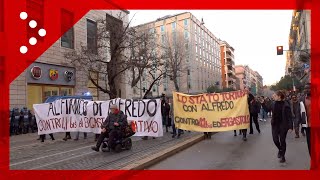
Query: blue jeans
point(263, 114)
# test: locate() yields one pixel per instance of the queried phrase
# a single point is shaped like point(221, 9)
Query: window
point(67, 39)
point(186, 34)
point(185, 22)
point(162, 28)
point(92, 36)
point(174, 25)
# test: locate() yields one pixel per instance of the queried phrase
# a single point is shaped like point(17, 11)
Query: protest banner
point(211, 112)
point(72, 115)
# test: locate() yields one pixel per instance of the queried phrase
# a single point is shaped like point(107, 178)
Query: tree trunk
point(113, 90)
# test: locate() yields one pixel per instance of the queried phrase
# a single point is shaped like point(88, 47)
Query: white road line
point(37, 167)
point(17, 147)
point(15, 164)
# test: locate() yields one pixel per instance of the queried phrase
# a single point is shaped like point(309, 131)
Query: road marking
point(30, 160)
point(61, 160)
point(12, 148)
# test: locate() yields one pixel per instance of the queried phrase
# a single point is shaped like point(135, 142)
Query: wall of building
point(204, 68)
point(55, 56)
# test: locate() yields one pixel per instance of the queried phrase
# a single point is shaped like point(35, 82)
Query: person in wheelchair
point(112, 128)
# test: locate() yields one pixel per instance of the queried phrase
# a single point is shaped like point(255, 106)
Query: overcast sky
point(254, 34)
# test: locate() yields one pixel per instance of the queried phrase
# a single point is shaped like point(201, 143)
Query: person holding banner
point(281, 122)
point(112, 127)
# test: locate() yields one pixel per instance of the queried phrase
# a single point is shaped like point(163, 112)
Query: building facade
point(249, 79)
point(241, 74)
point(202, 58)
point(298, 56)
point(52, 74)
point(227, 65)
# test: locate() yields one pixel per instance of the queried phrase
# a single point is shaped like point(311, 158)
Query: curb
point(147, 162)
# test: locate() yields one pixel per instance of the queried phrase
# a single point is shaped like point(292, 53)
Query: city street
point(28, 153)
point(224, 151)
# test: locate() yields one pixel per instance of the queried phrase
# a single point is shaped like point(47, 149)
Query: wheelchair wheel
point(117, 148)
point(128, 144)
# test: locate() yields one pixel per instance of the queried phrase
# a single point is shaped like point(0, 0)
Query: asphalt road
point(226, 152)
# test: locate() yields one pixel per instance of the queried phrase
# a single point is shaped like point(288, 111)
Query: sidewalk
point(28, 153)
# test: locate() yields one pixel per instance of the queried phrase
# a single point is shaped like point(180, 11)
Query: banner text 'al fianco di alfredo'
point(211, 112)
point(73, 115)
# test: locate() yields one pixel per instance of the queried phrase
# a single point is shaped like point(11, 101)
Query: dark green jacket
point(120, 118)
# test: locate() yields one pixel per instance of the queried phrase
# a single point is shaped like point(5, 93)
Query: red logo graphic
point(36, 72)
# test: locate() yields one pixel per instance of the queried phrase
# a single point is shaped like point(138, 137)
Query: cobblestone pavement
point(28, 153)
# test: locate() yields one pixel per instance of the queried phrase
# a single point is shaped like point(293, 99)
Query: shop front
point(44, 80)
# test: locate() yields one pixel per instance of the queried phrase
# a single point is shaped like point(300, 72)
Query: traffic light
point(279, 50)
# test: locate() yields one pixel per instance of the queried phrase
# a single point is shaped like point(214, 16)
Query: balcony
point(229, 56)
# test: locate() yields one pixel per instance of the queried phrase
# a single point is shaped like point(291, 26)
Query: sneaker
point(282, 160)
point(76, 139)
point(251, 133)
point(65, 139)
point(264, 120)
point(244, 138)
point(52, 139)
point(95, 148)
point(173, 136)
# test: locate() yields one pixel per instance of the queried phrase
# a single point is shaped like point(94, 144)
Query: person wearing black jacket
point(254, 109)
point(112, 128)
point(281, 122)
point(165, 111)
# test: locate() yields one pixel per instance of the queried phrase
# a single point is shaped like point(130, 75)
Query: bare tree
point(146, 59)
point(105, 53)
point(175, 53)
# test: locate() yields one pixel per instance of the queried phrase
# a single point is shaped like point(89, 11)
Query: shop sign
point(36, 72)
point(68, 75)
point(53, 74)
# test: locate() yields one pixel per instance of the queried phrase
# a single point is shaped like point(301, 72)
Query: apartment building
point(249, 79)
point(202, 57)
point(241, 75)
point(298, 56)
point(52, 74)
point(227, 65)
